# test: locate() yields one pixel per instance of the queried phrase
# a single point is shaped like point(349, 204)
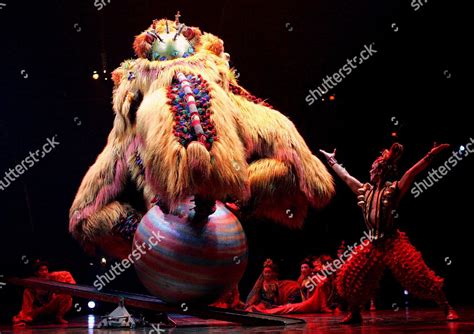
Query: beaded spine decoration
point(190, 103)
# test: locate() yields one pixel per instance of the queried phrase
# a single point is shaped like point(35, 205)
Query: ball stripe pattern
point(196, 263)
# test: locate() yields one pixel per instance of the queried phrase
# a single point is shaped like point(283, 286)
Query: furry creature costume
point(184, 127)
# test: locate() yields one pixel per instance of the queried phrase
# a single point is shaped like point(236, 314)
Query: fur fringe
point(199, 162)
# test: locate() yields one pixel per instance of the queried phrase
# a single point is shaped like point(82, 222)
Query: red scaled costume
point(39, 304)
point(379, 199)
point(390, 248)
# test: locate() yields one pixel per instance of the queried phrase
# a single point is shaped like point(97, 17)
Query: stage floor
point(382, 321)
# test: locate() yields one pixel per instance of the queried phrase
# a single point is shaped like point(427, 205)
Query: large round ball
point(188, 261)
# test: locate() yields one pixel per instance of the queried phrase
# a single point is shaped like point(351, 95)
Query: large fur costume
point(247, 151)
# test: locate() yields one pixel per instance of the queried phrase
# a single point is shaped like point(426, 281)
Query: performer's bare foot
point(452, 315)
point(352, 318)
point(19, 324)
point(61, 321)
point(233, 207)
point(372, 305)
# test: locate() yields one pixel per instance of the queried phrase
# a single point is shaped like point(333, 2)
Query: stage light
point(332, 97)
point(91, 304)
point(394, 134)
point(462, 149)
point(95, 75)
point(405, 292)
point(103, 260)
point(105, 71)
point(90, 322)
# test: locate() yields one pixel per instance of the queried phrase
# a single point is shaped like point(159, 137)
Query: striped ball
point(190, 262)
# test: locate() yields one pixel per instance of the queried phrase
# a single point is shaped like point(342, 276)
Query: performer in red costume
point(379, 199)
point(314, 296)
point(265, 293)
point(39, 304)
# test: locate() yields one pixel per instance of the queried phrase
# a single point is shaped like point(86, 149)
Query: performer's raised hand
point(328, 155)
point(351, 181)
point(438, 148)
point(408, 178)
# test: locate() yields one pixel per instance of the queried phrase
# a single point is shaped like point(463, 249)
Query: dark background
point(280, 50)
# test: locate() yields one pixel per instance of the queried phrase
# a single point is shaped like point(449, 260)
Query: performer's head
point(306, 267)
point(169, 40)
point(320, 262)
point(325, 259)
point(40, 269)
point(317, 264)
point(385, 166)
point(270, 270)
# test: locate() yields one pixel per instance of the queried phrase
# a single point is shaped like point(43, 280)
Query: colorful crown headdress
point(388, 160)
point(169, 40)
point(176, 41)
point(268, 263)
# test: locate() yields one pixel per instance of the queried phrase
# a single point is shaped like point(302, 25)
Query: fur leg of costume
point(409, 268)
point(360, 275)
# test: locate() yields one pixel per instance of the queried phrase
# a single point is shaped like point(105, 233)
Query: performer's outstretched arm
point(351, 181)
point(407, 179)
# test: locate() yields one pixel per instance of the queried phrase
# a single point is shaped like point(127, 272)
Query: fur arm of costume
point(285, 177)
point(96, 208)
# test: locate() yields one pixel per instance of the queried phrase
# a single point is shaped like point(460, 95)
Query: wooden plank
point(154, 304)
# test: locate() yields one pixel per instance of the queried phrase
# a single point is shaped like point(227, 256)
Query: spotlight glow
point(90, 323)
point(91, 304)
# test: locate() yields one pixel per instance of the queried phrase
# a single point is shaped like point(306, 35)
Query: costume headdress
point(387, 163)
point(167, 40)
